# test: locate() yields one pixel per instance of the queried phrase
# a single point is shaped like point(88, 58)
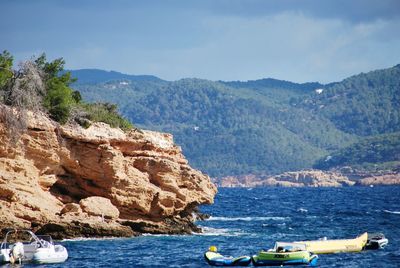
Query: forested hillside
point(87, 76)
point(262, 126)
point(365, 104)
point(371, 154)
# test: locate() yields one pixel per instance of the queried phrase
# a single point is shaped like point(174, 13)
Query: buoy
point(212, 249)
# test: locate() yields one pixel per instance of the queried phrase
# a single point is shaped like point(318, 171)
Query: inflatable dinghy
point(215, 259)
point(285, 254)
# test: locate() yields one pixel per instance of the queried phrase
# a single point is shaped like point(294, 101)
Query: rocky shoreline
point(68, 181)
point(310, 178)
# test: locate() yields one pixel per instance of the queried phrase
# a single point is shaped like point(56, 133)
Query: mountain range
point(265, 126)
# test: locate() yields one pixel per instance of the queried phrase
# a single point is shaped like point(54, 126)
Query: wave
point(247, 218)
point(80, 239)
point(165, 235)
point(391, 212)
point(302, 210)
point(209, 231)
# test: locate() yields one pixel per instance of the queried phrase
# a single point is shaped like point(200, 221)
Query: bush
point(104, 112)
point(6, 62)
point(59, 100)
point(42, 85)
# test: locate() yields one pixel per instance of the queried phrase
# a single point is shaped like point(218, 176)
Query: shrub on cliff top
point(6, 62)
point(42, 85)
point(102, 112)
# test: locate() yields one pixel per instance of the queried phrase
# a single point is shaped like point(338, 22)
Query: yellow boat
point(337, 245)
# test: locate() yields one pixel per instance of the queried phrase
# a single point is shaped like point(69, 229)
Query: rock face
point(239, 181)
point(70, 181)
point(309, 178)
point(98, 206)
point(389, 179)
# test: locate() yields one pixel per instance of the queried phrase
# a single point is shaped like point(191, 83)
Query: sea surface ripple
point(243, 221)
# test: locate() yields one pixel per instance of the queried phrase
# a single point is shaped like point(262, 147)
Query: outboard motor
point(17, 252)
point(376, 241)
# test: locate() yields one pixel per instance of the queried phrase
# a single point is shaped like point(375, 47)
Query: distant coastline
point(309, 178)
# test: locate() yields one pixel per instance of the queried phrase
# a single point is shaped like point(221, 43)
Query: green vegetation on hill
point(225, 130)
point(224, 133)
point(96, 76)
point(40, 85)
point(365, 104)
point(370, 153)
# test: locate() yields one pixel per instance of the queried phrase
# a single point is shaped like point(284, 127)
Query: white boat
point(376, 241)
point(37, 248)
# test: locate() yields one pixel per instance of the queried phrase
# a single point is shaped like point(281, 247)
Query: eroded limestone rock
point(139, 176)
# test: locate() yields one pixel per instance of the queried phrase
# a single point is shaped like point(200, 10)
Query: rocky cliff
point(69, 181)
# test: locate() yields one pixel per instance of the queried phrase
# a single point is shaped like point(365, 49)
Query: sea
point(243, 221)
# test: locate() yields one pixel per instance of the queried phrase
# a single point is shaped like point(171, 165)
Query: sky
point(295, 40)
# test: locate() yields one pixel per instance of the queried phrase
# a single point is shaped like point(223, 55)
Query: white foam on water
point(209, 231)
point(165, 235)
point(80, 239)
point(302, 210)
point(247, 218)
point(392, 212)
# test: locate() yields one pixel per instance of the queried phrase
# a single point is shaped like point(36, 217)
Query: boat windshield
point(289, 247)
point(375, 235)
point(45, 238)
point(13, 236)
point(26, 237)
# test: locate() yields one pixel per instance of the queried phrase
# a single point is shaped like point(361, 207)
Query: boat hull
point(336, 246)
point(4, 255)
point(57, 255)
point(267, 258)
point(41, 256)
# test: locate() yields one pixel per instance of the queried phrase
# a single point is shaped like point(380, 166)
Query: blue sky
point(296, 40)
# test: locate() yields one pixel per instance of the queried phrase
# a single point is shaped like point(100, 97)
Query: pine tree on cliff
point(37, 85)
point(40, 85)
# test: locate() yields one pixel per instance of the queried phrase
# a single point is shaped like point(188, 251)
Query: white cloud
point(214, 39)
point(290, 46)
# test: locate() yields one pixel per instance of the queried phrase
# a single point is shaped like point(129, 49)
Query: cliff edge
point(68, 181)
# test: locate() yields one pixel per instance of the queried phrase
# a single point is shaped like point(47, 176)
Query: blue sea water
point(244, 221)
